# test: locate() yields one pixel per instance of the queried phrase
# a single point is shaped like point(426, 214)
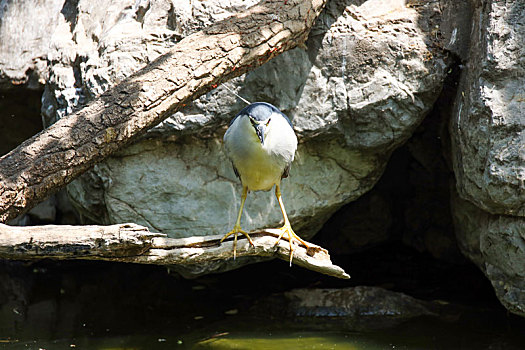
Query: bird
point(261, 144)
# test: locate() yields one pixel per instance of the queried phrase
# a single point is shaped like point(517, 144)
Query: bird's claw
point(235, 231)
point(292, 237)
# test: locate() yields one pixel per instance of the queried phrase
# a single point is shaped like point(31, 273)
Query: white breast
point(260, 166)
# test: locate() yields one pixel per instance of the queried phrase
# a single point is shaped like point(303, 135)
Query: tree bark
point(198, 63)
point(132, 243)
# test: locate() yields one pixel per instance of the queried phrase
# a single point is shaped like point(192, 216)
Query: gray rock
point(367, 79)
point(205, 196)
point(25, 29)
point(45, 211)
point(57, 209)
point(95, 45)
point(488, 150)
point(456, 26)
point(496, 243)
point(357, 308)
point(488, 127)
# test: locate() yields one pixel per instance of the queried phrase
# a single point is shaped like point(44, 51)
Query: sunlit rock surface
point(25, 32)
point(488, 128)
point(488, 150)
point(365, 81)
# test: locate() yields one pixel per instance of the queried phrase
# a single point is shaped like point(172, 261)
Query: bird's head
point(261, 127)
point(262, 117)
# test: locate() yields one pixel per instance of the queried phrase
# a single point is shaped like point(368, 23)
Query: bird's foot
point(292, 237)
point(235, 231)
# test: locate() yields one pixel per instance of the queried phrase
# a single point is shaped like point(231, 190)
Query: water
point(102, 306)
point(471, 331)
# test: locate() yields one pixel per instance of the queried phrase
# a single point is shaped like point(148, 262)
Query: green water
point(103, 306)
point(242, 333)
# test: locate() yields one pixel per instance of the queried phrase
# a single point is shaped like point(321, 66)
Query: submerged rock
point(358, 308)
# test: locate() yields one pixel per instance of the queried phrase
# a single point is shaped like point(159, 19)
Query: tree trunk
point(198, 63)
point(132, 243)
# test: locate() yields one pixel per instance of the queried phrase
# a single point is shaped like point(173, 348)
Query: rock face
point(496, 244)
point(489, 124)
point(367, 79)
point(25, 40)
point(488, 149)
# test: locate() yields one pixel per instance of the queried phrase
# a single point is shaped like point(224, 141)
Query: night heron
point(261, 145)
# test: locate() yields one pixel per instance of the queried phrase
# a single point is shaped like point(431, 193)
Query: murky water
point(291, 341)
point(102, 306)
point(241, 332)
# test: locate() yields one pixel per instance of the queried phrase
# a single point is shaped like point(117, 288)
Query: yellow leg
point(287, 228)
point(237, 228)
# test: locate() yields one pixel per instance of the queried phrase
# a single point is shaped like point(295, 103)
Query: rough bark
point(197, 64)
point(132, 243)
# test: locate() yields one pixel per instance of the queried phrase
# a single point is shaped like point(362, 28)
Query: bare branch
point(133, 243)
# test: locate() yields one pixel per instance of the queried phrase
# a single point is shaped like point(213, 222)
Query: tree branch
point(132, 243)
point(195, 65)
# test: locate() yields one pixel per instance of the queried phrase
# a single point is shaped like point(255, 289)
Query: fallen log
point(132, 243)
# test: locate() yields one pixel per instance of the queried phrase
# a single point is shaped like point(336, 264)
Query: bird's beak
point(259, 130)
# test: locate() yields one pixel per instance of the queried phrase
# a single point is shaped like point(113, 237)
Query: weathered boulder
point(496, 243)
point(488, 149)
point(368, 77)
point(488, 127)
point(25, 28)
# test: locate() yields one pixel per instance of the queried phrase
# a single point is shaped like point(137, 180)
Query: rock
point(205, 198)
point(410, 203)
point(496, 243)
point(456, 26)
point(95, 46)
point(26, 28)
point(367, 79)
point(488, 137)
point(488, 127)
point(57, 209)
point(358, 308)
point(45, 211)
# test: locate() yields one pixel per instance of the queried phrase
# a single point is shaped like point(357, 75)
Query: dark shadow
point(70, 13)
point(19, 116)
